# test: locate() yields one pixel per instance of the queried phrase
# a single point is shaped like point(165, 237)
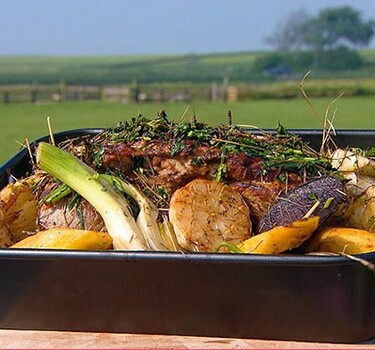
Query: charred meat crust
point(161, 156)
point(193, 161)
point(244, 173)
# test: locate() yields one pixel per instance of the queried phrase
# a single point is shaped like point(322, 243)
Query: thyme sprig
point(277, 149)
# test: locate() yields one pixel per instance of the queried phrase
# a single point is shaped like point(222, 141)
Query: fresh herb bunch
point(277, 149)
point(141, 128)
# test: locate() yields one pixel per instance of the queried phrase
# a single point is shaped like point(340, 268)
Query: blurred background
point(93, 63)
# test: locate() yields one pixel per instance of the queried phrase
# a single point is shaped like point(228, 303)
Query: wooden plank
point(80, 340)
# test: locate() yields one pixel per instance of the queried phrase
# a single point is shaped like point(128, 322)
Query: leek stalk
point(147, 219)
point(111, 205)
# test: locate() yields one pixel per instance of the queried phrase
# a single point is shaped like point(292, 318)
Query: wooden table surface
point(12, 339)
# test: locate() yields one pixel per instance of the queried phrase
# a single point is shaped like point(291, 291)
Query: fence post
point(6, 97)
point(62, 90)
point(214, 92)
point(34, 92)
point(224, 87)
point(101, 93)
point(135, 90)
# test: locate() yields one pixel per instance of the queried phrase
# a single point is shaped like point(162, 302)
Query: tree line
point(326, 41)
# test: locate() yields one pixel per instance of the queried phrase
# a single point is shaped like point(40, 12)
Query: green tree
point(329, 38)
point(334, 27)
point(339, 58)
point(331, 28)
point(289, 34)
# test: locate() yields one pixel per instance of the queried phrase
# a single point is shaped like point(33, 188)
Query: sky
point(139, 27)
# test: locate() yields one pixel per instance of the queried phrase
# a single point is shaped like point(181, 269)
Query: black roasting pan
point(302, 298)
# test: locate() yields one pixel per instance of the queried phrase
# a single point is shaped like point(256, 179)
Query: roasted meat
point(244, 173)
point(160, 157)
point(80, 216)
point(71, 211)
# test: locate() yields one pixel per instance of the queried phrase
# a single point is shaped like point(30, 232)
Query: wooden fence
point(63, 92)
point(37, 93)
point(181, 92)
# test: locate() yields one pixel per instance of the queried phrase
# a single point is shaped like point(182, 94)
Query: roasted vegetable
point(280, 239)
point(357, 184)
point(67, 239)
point(361, 212)
point(111, 205)
point(341, 240)
point(17, 213)
point(349, 161)
point(193, 187)
point(6, 238)
point(205, 213)
point(320, 197)
point(147, 220)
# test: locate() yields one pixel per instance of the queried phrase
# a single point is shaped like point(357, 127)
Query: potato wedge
point(281, 238)
point(19, 210)
point(206, 213)
point(6, 238)
point(341, 240)
point(348, 161)
point(67, 239)
point(361, 212)
point(357, 184)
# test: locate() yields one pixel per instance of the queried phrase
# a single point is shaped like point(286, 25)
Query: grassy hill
point(123, 69)
point(193, 68)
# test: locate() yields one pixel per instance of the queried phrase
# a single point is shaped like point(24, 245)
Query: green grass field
point(123, 69)
point(21, 121)
point(197, 68)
